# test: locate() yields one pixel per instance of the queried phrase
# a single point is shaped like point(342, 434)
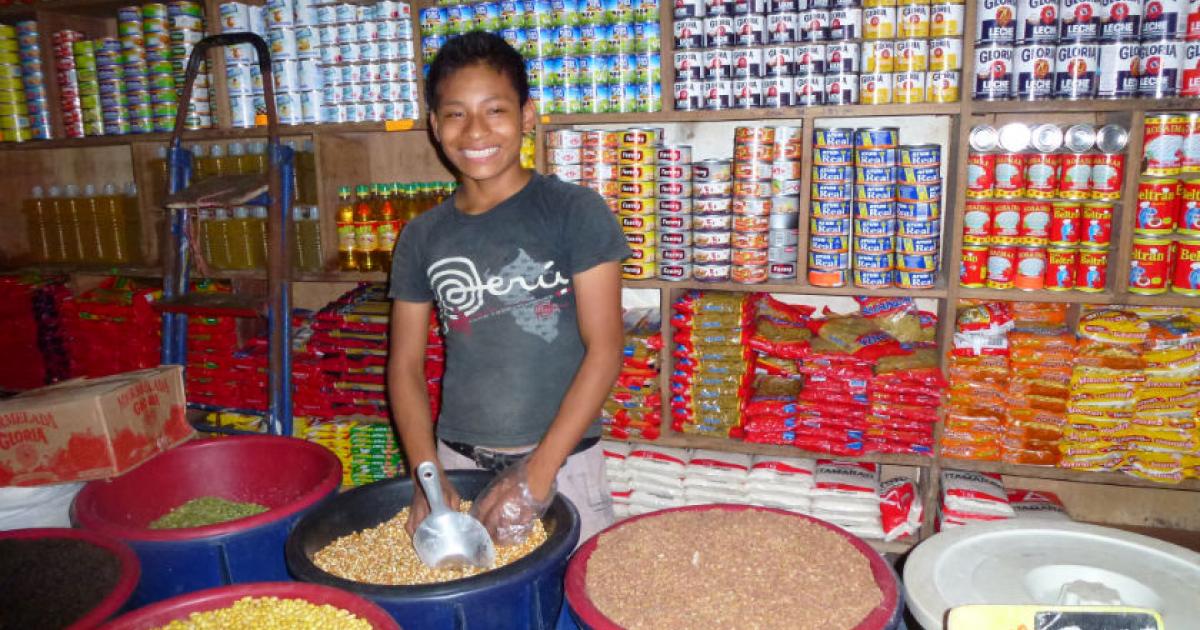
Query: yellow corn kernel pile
point(265, 613)
point(385, 555)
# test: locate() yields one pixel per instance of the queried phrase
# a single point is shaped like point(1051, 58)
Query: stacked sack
point(210, 378)
point(709, 383)
point(113, 328)
point(784, 483)
point(634, 406)
point(368, 452)
point(620, 485)
point(1133, 398)
point(847, 494)
point(975, 497)
point(32, 340)
point(715, 477)
point(655, 477)
point(1010, 371)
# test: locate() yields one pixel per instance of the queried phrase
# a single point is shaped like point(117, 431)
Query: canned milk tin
point(1119, 67)
point(782, 28)
point(809, 59)
point(1120, 20)
point(842, 57)
point(993, 72)
point(879, 56)
point(689, 65)
point(841, 89)
point(1075, 69)
point(995, 21)
point(1034, 68)
point(1189, 76)
point(876, 88)
point(1037, 21)
point(1080, 21)
point(912, 21)
point(879, 23)
point(813, 25)
point(945, 54)
point(1159, 68)
point(746, 63)
point(717, 63)
point(912, 55)
point(778, 61)
point(943, 87)
point(748, 30)
point(946, 19)
point(717, 95)
point(1164, 19)
point(845, 23)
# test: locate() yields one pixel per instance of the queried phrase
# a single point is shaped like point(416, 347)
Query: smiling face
point(479, 122)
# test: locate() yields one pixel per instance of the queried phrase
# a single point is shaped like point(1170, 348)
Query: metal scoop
point(448, 539)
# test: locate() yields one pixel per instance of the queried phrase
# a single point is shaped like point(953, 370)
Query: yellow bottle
point(257, 237)
point(111, 231)
point(36, 212)
point(240, 239)
point(218, 164)
point(72, 228)
point(309, 238)
point(365, 236)
point(200, 164)
point(347, 243)
point(306, 174)
point(160, 177)
point(89, 227)
point(388, 229)
point(217, 236)
point(257, 158)
point(57, 227)
point(132, 215)
point(204, 219)
point(237, 158)
point(297, 244)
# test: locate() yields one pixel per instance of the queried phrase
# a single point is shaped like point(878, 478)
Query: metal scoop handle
point(431, 483)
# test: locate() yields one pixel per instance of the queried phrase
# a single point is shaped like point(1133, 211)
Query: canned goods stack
point(30, 54)
point(1079, 49)
point(637, 154)
point(68, 81)
point(87, 77)
point(160, 78)
point(1040, 204)
point(14, 118)
point(766, 164)
point(784, 53)
point(591, 57)
point(673, 212)
point(876, 210)
point(114, 104)
point(1166, 227)
point(185, 21)
point(712, 220)
point(135, 69)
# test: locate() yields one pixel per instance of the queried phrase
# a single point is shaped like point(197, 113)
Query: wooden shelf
point(784, 287)
point(897, 547)
point(680, 440)
point(751, 115)
point(200, 135)
point(1017, 295)
point(1169, 298)
point(81, 270)
point(1064, 474)
point(1090, 105)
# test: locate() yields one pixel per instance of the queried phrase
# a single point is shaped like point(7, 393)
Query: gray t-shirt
point(502, 285)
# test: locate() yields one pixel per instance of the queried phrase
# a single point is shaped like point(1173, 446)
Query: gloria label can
point(1119, 69)
point(1149, 265)
point(1080, 20)
point(1037, 21)
point(1034, 68)
point(1159, 68)
point(996, 21)
point(946, 19)
point(1075, 67)
point(993, 72)
point(842, 57)
point(1185, 276)
point(945, 54)
point(1189, 75)
point(1120, 20)
point(1164, 18)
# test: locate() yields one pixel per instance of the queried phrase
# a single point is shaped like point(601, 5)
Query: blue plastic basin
point(525, 594)
point(289, 476)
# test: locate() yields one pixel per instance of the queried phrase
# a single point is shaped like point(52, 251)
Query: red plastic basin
point(129, 571)
point(166, 611)
point(885, 615)
point(287, 475)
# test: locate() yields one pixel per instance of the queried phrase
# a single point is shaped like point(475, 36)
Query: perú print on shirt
point(529, 290)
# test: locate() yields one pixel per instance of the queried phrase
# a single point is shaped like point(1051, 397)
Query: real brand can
point(995, 21)
point(1065, 217)
point(1075, 67)
point(873, 279)
point(973, 269)
point(1091, 274)
point(1185, 276)
point(1149, 266)
point(1158, 208)
point(993, 72)
point(1119, 68)
point(1096, 225)
point(1034, 67)
point(1037, 21)
point(1061, 263)
point(1001, 267)
point(1159, 68)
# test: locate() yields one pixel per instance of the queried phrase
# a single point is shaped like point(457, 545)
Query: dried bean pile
point(266, 613)
point(730, 569)
point(203, 511)
point(385, 555)
point(50, 583)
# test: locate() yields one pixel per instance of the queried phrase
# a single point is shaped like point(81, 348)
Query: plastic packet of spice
point(975, 493)
point(900, 509)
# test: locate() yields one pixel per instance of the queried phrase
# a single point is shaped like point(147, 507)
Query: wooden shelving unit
point(348, 154)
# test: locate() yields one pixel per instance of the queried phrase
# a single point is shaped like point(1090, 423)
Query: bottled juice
point(365, 235)
point(241, 239)
point(72, 229)
point(37, 225)
point(131, 211)
point(56, 228)
point(256, 237)
point(306, 174)
point(347, 243)
point(237, 158)
point(111, 224)
point(217, 236)
point(89, 227)
point(309, 238)
point(389, 228)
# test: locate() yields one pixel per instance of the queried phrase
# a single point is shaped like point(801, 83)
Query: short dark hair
point(476, 47)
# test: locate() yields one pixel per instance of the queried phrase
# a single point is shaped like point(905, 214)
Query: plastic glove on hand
point(419, 508)
point(507, 507)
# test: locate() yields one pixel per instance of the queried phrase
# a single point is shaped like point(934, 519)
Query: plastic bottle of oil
point(236, 158)
point(218, 163)
point(200, 164)
point(89, 228)
point(159, 176)
point(56, 228)
point(256, 237)
point(111, 226)
point(306, 174)
point(204, 219)
point(347, 243)
point(241, 242)
point(37, 225)
point(217, 236)
point(72, 228)
point(365, 236)
point(131, 211)
point(389, 229)
point(310, 240)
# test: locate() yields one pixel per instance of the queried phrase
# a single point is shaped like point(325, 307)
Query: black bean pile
point(51, 583)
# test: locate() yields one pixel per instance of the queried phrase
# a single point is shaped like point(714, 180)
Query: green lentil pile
point(264, 613)
point(203, 511)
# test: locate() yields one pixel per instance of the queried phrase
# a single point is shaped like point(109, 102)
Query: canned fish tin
point(749, 240)
point(828, 277)
point(920, 155)
point(920, 175)
point(748, 274)
point(834, 138)
point(875, 157)
point(748, 257)
point(874, 227)
point(917, 262)
point(918, 210)
point(1149, 266)
point(918, 229)
point(643, 270)
point(1185, 275)
point(1159, 68)
point(829, 227)
point(1092, 271)
point(712, 255)
point(1079, 21)
point(831, 209)
point(828, 260)
point(873, 279)
point(973, 270)
point(751, 206)
point(1096, 225)
point(830, 244)
point(879, 56)
point(993, 72)
point(879, 22)
point(711, 273)
point(919, 192)
point(673, 223)
point(675, 240)
point(876, 138)
point(874, 210)
point(945, 54)
point(917, 244)
point(873, 262)
point(875, 244)
point(876, 175)
point(995, 21)
point(674, 271)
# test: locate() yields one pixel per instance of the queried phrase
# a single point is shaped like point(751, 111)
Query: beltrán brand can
point(1061, 263)
point(1149, 265)
point(1185, 276)
point(1091, 273)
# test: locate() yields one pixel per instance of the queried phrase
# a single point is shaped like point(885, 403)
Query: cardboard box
point(91, 428)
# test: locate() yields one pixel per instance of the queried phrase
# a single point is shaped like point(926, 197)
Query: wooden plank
point(1064, 474)
point(1089, 105)
point(1126, 209)
point(756, 115)
point(1120, 506)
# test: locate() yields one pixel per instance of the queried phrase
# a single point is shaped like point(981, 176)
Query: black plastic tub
point(525, 594)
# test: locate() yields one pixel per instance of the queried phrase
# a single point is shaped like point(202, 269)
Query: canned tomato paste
point(1149, 265)
point(973, 270)
point(1060, 268)
point(1158, 206)
point(1185, 277)
point(1096, 225)
point(1092, 270)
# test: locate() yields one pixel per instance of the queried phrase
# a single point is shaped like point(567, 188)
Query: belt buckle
point(495, 461)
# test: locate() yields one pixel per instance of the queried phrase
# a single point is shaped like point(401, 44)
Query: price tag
point(545, 119)
point(398, 125)
point(1034, 617)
